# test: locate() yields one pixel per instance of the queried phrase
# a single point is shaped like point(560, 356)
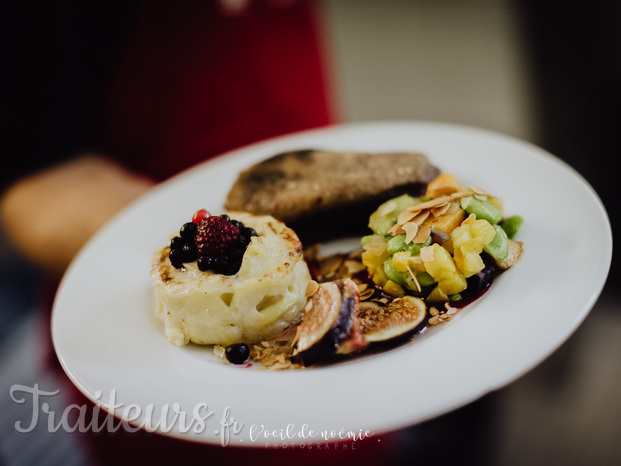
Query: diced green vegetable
point(511, 225)
point(404, 279)
point(397, 243)
point(483, 209)
point(499, 247)
point(424, 279)
point(381, 222)
point(400, 278)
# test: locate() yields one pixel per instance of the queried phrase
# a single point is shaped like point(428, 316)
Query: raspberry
point(215, 235)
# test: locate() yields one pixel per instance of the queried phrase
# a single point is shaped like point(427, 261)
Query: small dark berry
point(176, 258)
point(225, 217)
point(233, 267)
point(188, 231)
point(189, 252)
point(237, 223)
point(177, 242)
point(221, 264)
point(243, 240)
point(249, 232)
point(204, 263)
point(237, 353)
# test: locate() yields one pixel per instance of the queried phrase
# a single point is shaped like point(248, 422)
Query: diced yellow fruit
point(437, 295)
point(442, 185)
point(443, 269)
point(393, 289)
point(469, 239)
point(454, 284)
point(473, 236)
point(448, 221)
point(469, 263)
point(379, 277)
point(374, 254)
point(401, 260)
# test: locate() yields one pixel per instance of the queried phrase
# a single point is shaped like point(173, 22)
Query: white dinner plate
point(114, 350)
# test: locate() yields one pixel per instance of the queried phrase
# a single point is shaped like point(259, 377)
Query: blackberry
point(177, 242)
point(176, 258)
point(188, 231)
point(237, 353)
point(189, 252)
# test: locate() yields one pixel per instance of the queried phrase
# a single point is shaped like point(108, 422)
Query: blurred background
point(543, 72)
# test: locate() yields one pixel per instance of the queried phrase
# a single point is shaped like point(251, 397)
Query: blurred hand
point(49, 216)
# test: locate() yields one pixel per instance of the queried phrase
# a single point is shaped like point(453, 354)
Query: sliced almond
point(421, 217)
point(440, 210)
point(465, 202)
point(460, 194)
point(388, 208)
point(311, 288)
point(396, 230)
point(422, 234)
point(406, 216)
point(426, 254)
point(411, 229)
point(429, 204)
point(477, 190)
point(413, 275)
point(366, 294)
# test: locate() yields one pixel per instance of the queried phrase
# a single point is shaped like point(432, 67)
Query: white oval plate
point(115, 352)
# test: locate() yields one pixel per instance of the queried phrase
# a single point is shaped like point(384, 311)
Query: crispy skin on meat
point(311, 188)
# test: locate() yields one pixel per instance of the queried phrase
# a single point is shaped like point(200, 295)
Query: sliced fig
point(327, 322)
point(385, 322)
point(354, 339)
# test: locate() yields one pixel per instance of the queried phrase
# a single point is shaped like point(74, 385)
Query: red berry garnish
point(199, 215)
point(215, 235)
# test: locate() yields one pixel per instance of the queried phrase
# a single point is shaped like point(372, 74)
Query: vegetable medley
point(430, 246)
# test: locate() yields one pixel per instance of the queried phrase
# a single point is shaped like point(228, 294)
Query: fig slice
point(385, 322)
point(328, 322)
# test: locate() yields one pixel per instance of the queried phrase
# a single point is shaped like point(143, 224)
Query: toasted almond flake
point(435, 320)
point(309, 305)
point(440, 210)
point(429, 204)
point(460, 194)
point(405, 216)
point(469, 219)
point(354, 266)
point(426, 254)
point(413, 275)
point(421, 217)
point(451, 311)
point(422, 234)
point(362, 287)
point(366, 294)
point(444, 317)
point(480, 197)
point(465, 202)
point(311, 288)
point(477, 190)
point(396, 230)
point(433, 311)
point(416, 260)
point(410, 229)
point(388, 208)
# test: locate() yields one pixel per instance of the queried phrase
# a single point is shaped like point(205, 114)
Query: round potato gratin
point(218, 306)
